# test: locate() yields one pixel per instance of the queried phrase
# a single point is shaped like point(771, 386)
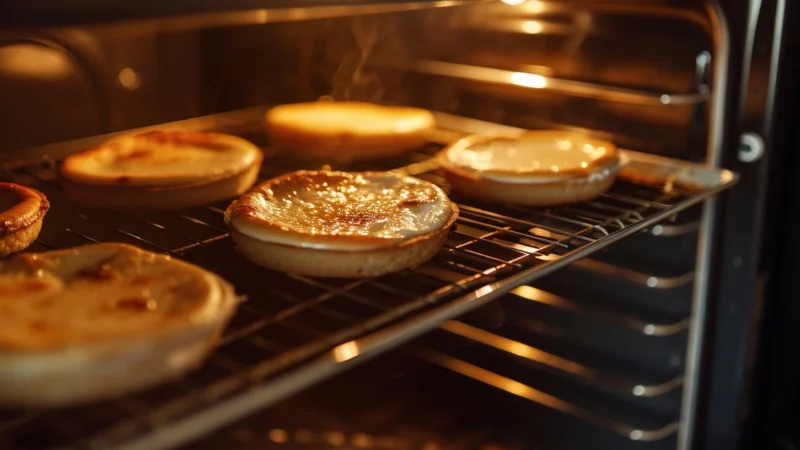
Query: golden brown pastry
point(101, 320)
point(536, 168)
point(162, 170)
point(339, 224)
point(347, 131)
point(22, 211)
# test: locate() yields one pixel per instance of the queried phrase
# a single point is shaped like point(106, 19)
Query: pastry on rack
point(162, 170)
point(101, 320)
point(22, 211)
point(346, 132)
point(340, 224)
point(535, 168)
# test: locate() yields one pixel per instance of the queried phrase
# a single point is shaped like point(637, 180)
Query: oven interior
point(596, 354)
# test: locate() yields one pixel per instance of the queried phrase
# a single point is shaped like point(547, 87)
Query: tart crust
point(571, 185)
point(347, 132)
point(133, 319)
point(147, 170)
point(22, 211)
point(326, 252)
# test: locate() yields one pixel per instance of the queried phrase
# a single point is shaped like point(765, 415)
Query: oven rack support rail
point(295, 331)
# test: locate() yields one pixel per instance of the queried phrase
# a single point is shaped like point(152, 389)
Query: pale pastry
point(162, 170)
point(340, 224)
point(535, 168)
point(101, 320)
point(347, 131)
point(22, 211)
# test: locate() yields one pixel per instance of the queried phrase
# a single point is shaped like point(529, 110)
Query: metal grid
point(290, 318)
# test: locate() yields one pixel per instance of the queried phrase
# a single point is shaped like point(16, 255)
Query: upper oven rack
point(539, 82)
point(295, 330)
point(188, 15)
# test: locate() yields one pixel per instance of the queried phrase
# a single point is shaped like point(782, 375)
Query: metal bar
point(534, 82)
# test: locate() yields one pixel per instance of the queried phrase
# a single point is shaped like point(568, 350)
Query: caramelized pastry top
point(100, 292)
point(20, 207)
point(162, 158)
point(340, 210)
point(531, 157)
point(355, 119)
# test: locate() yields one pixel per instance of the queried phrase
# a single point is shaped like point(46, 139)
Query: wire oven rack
point(294, 330)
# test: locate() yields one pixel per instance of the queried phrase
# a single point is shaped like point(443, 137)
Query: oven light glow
point(528, 80)
point(513, 2)
point(532, 27)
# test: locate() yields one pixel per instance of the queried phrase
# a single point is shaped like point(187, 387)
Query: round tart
point(536, 168)
point(22, 210)
point(97, 321)
point(347, 131)
point(339, 224)
point(162, 170)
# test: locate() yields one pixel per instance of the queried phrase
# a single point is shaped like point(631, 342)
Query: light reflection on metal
point(187, 22)
point(346, 351)
point(513, 2)
point(527, 392)
point(278, 436)
point(535, 6)
point(532, 27)
point(530, 80)
point(129, 79)
point(574, 88)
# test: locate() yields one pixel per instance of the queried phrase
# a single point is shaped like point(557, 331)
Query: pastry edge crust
point(531, 194)
point(21, 239)
point(19, 224)
point(164, 197)
point(102, 369)
point(344, 264)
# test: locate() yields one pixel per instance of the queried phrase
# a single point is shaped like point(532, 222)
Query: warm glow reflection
point(535, 6)
point(513, 2)
point(528, 80)
point(278, 436)
point(346, 351)
point(532, 27)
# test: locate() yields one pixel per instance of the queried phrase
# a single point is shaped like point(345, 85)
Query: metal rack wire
point(293, 326)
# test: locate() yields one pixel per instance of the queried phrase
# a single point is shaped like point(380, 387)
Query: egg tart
point(22, 211)
point(347, 132)
point(535, 168)
point(101, 320)
point(340, 224)
point(162, 170)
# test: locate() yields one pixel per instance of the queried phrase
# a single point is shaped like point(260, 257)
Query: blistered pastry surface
point(338, 210)
point(97, 293)
point(162, 158)
point(531, 157)
point(20, 207)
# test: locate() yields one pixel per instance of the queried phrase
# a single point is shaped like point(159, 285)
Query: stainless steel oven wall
point(65, 83)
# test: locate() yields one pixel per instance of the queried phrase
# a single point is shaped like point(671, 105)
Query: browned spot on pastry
point(139, 153)
point(135, 304)
point(144, 279)
point(101, 272)
point(410, 203)
point(39, 326)
point(45, 303)
point(123, 179)
point(197, 139)
point(23, 287)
